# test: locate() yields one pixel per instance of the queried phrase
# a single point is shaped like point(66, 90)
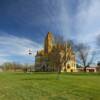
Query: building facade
point(55, 56)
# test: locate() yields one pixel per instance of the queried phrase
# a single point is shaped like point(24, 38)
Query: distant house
point(88, 69)
point(91, 69)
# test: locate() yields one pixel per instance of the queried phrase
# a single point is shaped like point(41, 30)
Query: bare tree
point(58, 53)
point(98, 50)
point(83, 53)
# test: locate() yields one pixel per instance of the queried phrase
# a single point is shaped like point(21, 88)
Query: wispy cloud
point(11, 46)
point(76, 19)
point(88, 23)
point(88, 20)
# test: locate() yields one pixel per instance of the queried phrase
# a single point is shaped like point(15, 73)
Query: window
point(68, 66)
point(71, 70)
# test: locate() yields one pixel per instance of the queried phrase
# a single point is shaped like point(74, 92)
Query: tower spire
point(48, 43)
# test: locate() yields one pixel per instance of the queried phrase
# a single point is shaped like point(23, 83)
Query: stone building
point(55, 56)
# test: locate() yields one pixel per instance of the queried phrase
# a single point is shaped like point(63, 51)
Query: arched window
point(71, 70)
point(68, 66)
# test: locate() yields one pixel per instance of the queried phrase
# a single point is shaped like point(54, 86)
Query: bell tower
point(48, 43)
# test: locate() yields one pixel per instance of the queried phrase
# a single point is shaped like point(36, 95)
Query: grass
point(44, 86)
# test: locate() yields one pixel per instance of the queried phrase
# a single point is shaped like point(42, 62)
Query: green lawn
point(44, 86)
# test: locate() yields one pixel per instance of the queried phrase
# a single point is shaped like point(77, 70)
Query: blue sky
point(24, 24)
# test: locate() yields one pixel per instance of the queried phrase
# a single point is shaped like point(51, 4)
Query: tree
point(98, 66)
point(57, 58)
point(7, 66)
point(58, 54)
point(83, 53)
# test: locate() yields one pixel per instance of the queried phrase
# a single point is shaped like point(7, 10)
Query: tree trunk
point(85, 68)
point(58, 72)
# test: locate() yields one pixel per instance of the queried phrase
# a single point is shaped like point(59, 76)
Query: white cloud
point(88, 20)
point(87, 23)
point(16, 46)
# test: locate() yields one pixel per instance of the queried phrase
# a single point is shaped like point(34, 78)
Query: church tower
point(48, 44)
